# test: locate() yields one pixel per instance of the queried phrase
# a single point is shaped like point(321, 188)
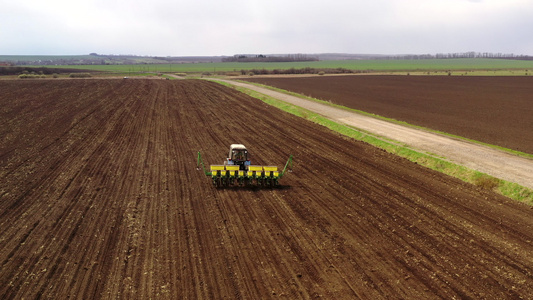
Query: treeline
point(34, 75)
point(40, 71)
point(470, 54)
point(265, 58)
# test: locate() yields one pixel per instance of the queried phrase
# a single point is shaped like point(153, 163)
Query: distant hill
point(101, 59)
point(110, 59)
point(105, 59)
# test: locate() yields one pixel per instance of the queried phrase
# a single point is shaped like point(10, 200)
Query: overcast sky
point(227, 27)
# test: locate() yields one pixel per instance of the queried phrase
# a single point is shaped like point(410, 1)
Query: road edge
point(432, 161)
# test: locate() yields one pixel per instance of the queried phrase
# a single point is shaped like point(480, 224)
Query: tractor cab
point(238, 155)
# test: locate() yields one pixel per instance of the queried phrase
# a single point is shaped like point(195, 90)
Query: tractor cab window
point(239, 155)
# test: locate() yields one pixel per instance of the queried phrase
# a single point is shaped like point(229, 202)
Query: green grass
point(473, 72)
point(425, 65)
point(508, 189)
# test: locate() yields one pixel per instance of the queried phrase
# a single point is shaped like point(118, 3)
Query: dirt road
point(495, 110)
point(474, 156)
point(100, 199)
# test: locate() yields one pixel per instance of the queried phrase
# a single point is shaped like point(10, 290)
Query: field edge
point(403, 123)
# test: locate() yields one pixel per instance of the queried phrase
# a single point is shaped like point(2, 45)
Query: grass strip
point(485, 181)
point(514, 152)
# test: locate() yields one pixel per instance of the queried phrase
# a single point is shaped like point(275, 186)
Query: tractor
point(237, 170)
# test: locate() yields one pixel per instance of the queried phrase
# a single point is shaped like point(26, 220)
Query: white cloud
point(210, 27)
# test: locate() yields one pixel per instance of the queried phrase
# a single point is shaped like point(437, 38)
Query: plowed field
point(100, 198)
point(493, 110)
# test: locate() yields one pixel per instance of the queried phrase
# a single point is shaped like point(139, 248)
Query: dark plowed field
point(100, 198)
point(493, 110)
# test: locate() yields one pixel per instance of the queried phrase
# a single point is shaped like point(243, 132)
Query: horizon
point(489, 53)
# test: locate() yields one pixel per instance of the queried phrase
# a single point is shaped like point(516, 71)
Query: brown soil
point(100, 198)
point(493, 110)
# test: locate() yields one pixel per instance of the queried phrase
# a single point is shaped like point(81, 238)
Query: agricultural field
point(434, 66)
point(492, 110)
point(100, 197)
